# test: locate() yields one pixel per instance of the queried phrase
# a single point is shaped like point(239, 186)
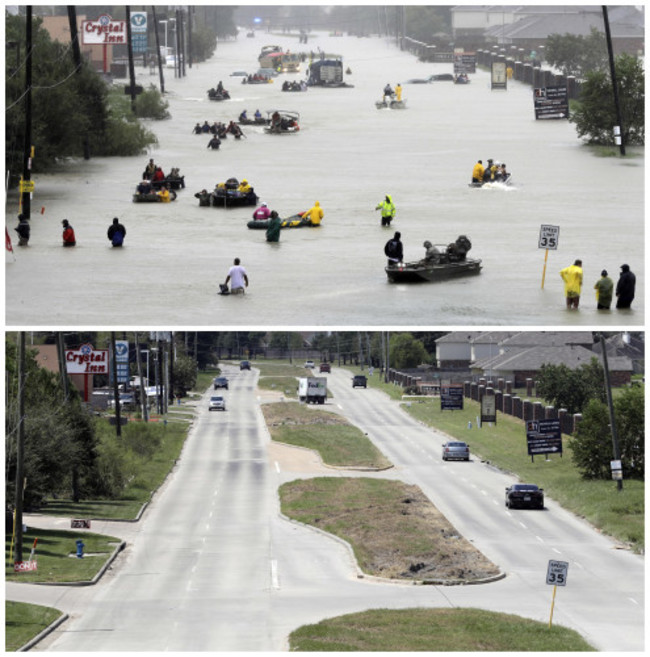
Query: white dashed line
point(277, 467)
point(275, 583)
point(556, 551)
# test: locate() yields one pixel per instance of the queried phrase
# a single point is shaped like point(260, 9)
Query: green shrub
point(151, 105)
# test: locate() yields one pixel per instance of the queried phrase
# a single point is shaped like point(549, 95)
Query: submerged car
point(217, 404)
point(455, 449)
point(220, 382)
point(524, 495)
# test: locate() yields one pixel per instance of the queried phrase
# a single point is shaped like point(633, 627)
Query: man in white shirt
point(237, 274)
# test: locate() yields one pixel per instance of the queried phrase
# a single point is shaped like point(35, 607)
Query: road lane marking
point(540, 539)
point(522, 524)
point(634, 601)
point(277, 467)
point(556, 550)
point(484, 493)
point(275, 583)
point(339, 406)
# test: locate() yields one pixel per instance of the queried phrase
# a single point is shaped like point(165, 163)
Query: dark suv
point(360, 381)
point(244, 365)
point(220, 382)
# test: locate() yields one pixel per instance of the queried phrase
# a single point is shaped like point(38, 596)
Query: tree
point(185, 372)
point(204, 42)
point(60, 442)
point(575, 54)
point(563, 387)
point(595, 112)
point(592, 445)
point(406, 351)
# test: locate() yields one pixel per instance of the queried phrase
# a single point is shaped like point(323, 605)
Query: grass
point(149, 474)
point(54, 556)
point(287, 385)
point(204, 379)
point(332, 436)
point(24, 621)
point(434, 630)
point(392, 527)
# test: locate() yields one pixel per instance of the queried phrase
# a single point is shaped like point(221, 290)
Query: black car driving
point(524, 495)
point(220, 382)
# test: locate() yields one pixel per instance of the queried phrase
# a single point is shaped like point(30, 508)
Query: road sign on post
point(543, 437)
point(549, 236)
point(556, 575)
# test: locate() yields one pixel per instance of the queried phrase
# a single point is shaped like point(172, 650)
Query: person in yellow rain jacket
point(387, 208)
point(315, 214)
point(478, 171)
point(572, 277)
point(398, 92)
point(244, 186)
point(164, 194)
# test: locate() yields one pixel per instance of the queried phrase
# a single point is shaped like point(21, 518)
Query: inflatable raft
point(294, 221)
point(152, 197)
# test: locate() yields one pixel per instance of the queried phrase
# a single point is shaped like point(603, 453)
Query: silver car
point(217, 403)
point(455, 449)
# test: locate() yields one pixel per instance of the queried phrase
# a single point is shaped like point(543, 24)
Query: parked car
point(455, 449)
point(523, 495)
point(244, 365)
point(127, 401)
point(220, 382)
point(217, 403)
point(325, 367)
point(309, 364)
point(360, 381)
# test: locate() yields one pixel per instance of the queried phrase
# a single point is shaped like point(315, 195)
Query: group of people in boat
point(243, 117)
point(493, 172)
point(281, 123)
point(154, 181)
point(389, 94)
point(231, 187)
point(255, 77)
point(219, 92)
point(218, 129)
point(294, 86)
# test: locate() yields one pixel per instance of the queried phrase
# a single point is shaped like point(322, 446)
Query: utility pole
point(20, 448)
point(158, 58)
point(190, 11)
point(610, 406)
point(116, 392)
point(143, 394)
point(387, 357)
point(619, 116)
point(60, 349)
point(129, 49)
point(25, 197)
point(179, 51)
point(76, 55)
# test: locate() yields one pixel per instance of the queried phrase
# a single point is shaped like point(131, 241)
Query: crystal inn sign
point(103, 32)
point(86, 360)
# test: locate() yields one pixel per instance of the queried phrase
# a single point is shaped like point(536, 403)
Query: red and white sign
point(104, 31)
point(25, 566)
point(86, 360)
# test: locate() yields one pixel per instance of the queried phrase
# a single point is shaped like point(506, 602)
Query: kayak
point(294, 221)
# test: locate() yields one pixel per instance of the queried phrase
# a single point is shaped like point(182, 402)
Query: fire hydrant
point(80, 549)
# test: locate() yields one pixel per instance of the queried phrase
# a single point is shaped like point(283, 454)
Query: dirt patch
point(394, 530)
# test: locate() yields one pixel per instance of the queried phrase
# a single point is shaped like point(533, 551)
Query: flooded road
point(347, 155)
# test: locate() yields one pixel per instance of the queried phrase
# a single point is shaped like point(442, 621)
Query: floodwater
point(347, 155)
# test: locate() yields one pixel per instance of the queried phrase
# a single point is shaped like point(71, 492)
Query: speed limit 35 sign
point(556, 573)
point(549, 237)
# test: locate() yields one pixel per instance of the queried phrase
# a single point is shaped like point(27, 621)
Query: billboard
point(543, 437)
point(86, 360)
point(451, 397)
point(551, 102)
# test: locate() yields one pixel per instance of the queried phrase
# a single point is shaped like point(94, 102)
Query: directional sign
point(551, 102)
point(451, 397)
point(557, 571)
point(549, 237)
point(488, 409)
point(544, 437)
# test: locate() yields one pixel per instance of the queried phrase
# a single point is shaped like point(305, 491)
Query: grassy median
point(337, 441)
point(24, 621)
point(434, 630)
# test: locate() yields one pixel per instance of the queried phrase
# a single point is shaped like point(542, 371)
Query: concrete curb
point(387, 580)
point(48, 630)
point(96, 578)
